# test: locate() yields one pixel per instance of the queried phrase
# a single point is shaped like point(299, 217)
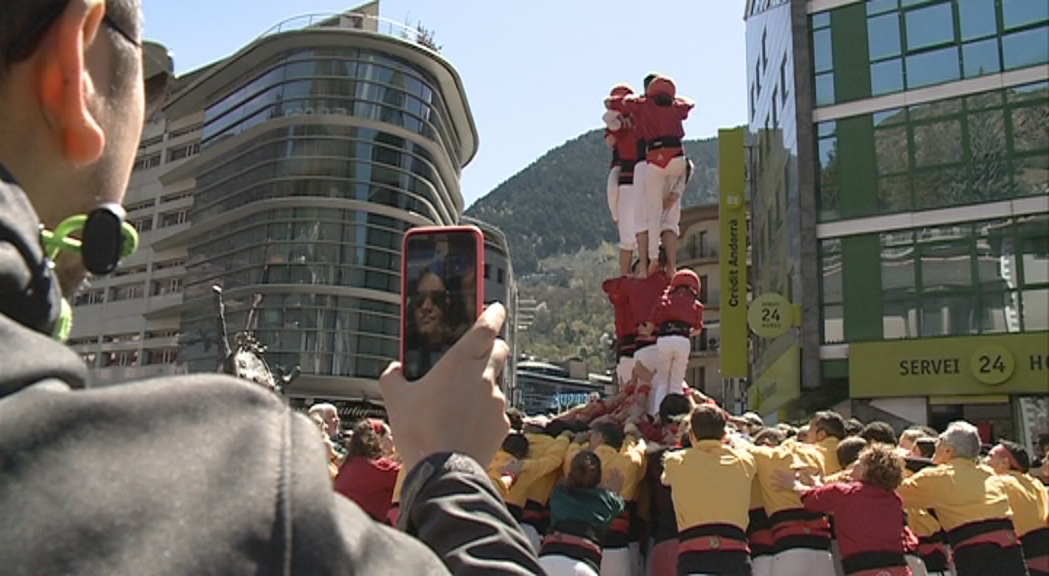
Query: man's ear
point(64, 84)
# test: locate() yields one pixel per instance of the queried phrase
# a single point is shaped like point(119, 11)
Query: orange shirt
point(961, 491)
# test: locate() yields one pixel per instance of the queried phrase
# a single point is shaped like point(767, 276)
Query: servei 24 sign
point(1001, 364)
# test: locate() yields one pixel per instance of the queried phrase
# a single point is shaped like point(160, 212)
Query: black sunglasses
point(156, 82)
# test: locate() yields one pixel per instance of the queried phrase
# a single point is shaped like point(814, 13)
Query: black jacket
point(199, 474)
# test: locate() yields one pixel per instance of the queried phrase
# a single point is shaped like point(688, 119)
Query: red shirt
point(644, 294)
point(679, 306)
point(652, 121)
point(369, 483)
point(618, 292)
point(628, 150)
point(866, 518)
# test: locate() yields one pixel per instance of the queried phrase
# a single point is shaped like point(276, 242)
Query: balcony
point(364, 21)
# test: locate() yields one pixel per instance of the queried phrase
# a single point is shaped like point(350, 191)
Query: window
point(934, 67)
point(775, 106)
point(90, 358)
point(155, 334)
point(487, 271)
point(145, 162)
point(120, 338)
point(130, 270)
point(90, 297)
point(144, 224)
point(782, 81)
point(821, 46)
point(139, 206)
point(176, 196)
point(883, 36)
point(87, 341)
point(162, 356)
point(979, 58)
point(166, 264)
point(125, 358)
point(977, 19)
point(168, 286)
point(184, 151)
point(500, 275)
point(150, 142)
point(187, 130)
point(175, 218)
point(126, 292)
point(928, 27)
point(703, 288)
point(1018, 13)
point(825, 89)
point(764, 50)
point(1026, 48)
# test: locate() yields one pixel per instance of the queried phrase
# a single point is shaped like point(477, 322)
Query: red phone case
point(478, 262)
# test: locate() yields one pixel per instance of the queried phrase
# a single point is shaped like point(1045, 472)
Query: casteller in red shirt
point(618, 292)
point(680, 306)
point(369, 483)
point(867, 518)
point(644, 295)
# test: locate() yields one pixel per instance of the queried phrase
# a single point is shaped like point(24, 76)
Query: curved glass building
point(319, 147)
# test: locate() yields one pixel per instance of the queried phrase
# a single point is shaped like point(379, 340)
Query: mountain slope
point(557, 204)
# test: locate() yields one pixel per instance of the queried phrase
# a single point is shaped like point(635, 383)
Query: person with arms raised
point(199, 474)
point(1028, 501)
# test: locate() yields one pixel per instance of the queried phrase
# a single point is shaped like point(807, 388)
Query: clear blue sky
point(535, 71)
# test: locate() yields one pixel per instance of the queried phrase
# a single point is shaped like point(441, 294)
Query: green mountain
point(557, 206)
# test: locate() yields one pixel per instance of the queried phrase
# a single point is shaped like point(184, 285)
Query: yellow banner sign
point(732, 216)
point(965, 365)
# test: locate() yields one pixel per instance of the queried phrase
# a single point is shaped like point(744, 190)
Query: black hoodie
point(199, 474)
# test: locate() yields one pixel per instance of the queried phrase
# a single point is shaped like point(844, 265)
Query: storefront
point(998, 382)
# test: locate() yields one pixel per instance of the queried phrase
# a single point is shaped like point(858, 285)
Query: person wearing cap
point(624, 189)
point(868, 514)
point(1027, 500)
point(677, 316)
point(710, 484)
point(645, 294)
point(970, 502)
point(659, 117)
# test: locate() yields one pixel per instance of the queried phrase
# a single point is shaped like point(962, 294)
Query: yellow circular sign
point(992, 364)
point(770, 315)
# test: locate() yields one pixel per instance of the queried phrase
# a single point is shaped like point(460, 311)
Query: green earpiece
point(59, 240)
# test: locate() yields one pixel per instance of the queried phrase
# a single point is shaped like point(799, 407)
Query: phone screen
point(441, 295)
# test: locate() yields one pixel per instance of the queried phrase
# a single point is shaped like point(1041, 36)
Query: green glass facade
point(881, 47)
point(986, 277)
point(967, 150)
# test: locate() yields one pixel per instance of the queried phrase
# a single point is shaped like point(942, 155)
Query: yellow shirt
point(628, 460)
point(827, 449)
point(495, 473)
point(538, 464)
point(960, 491)
point(770, 462)
point(1027, 499)
point(541, 489)
point(710, 483)
point(918, 519)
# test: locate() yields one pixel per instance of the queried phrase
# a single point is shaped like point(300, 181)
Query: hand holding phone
point(441, 292)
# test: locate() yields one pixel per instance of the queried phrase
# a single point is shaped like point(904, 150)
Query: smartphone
point(442, 292)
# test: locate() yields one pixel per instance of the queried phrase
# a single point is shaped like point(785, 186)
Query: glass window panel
point(1026, 48)
point(1031, 175)
point(983, 101)
point(822, 51)
point(886, 77)
point(1030, 127)
point(824, 129)
point(946, 266)
point(894, 194)
point(900, 319)
point(933, 67)
point(825, 89)
point(1038, 91)
point(897, 265)
point(978, 18)
point(889, 117)
point(1017, 13)
point(833, 324)
point(890, 149)
point(980, 58)
point(986, 135)
point(999, 312)
point(929, 26)
point(879, 6)
point(821, 19)
point(831, 264)
point(883, 36)
point(935, 109)
point(937, 143)
point(990, 180)
point(939, 188)
point(1036, 310)
point(1036, 258)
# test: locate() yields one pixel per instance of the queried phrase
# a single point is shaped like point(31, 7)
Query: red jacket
point(679, 306)
point(644, 294)
point(618, 292)
point(369, 483)
point(652, 121)
point(866, 518)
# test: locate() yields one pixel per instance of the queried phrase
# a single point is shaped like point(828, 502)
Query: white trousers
point(660, 181)
point(612, 193)
point(533, 536)
point(670, 368)
point(640, 203)
point(761, 566)
point(916, 565)
point(554, 565)
point(802, 562)
point(617, 562)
